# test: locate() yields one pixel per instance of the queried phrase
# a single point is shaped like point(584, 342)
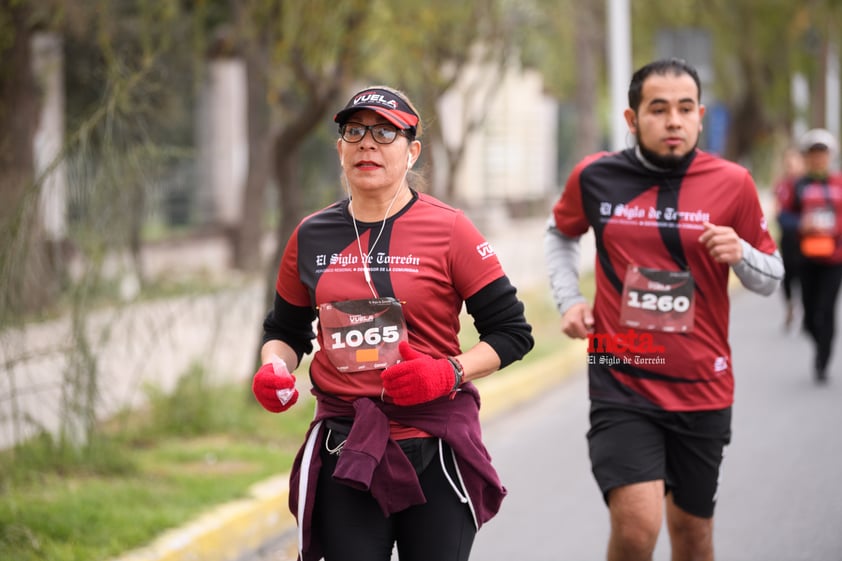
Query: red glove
point(418, 378)
point(274, 387)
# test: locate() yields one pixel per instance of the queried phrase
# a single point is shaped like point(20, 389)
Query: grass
point(59, 504)
point(152, 470)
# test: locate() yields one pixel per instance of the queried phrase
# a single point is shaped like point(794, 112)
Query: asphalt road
point(780, 495)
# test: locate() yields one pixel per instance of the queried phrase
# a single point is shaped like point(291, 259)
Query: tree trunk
point(27, 277)
point(586, 45)
point(290, 208)
point(290, 212)
point(818, 93)
point(247, 238)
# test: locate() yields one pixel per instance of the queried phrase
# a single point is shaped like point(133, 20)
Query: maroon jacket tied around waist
point(371, 460)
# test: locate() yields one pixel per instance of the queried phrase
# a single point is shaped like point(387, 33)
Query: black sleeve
point(500, 321)
point(291, 324)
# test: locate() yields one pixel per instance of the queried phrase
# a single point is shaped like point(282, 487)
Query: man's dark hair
point(662, 68)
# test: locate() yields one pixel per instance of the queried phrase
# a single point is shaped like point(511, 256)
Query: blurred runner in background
point(788, 240)
point(813, 208)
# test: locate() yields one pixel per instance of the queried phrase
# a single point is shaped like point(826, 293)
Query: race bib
point(362, 334)
point(821, 219)
point(655, 300)
point(819, 242)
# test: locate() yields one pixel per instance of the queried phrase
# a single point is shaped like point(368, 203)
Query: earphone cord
point(365, 256)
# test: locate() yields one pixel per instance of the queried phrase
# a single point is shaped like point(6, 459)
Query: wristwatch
point(458, 372)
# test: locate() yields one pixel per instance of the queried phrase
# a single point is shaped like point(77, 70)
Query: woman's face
point(371, 167)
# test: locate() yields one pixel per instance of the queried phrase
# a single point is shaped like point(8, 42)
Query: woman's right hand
point(274, 387)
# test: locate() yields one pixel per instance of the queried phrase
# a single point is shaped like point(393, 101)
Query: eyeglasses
point(382, 133)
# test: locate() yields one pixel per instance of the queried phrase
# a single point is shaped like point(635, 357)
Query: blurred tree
point(130, 91)
point(819, 36)
point(588, 43)
point(757, 48)
point(26, 274)
point(754, 41)
point(129, 84)
point(565, 40)
point(300, 57)
point(125, 115)
point(758, 45)
point(123, 111)
point(426, 48)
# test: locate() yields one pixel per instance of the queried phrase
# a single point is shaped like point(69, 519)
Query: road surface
point(780, 497)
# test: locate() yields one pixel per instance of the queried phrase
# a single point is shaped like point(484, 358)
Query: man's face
point(669, 119)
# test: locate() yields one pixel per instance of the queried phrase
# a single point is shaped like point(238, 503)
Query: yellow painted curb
point(225, 532)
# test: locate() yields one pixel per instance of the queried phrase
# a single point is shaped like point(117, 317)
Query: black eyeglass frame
point(369, 129)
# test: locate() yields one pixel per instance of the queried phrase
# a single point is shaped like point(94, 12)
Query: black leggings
point(791, 256)
point(352, 527)
point(819, 290)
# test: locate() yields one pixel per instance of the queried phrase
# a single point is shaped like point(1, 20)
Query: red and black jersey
point(807, 194)
point(429, 256)
point(653, 219)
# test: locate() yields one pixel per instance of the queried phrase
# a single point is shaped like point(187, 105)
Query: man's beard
point(668, 162)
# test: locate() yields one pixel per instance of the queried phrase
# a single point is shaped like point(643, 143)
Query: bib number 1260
point(658, 302)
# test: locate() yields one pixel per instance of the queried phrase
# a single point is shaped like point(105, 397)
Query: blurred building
point(50, 167)
point(510, 158)
point(222, 141)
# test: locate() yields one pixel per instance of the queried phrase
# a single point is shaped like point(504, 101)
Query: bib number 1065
point(372, 336)
point(658, 302)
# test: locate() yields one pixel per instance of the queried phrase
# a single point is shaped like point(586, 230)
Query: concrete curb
point(225, 532)
point(234, 529)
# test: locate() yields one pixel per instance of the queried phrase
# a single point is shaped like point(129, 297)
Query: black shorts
point(684, 449)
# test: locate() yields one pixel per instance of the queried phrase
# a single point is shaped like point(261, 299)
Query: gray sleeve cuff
point(561, 254)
